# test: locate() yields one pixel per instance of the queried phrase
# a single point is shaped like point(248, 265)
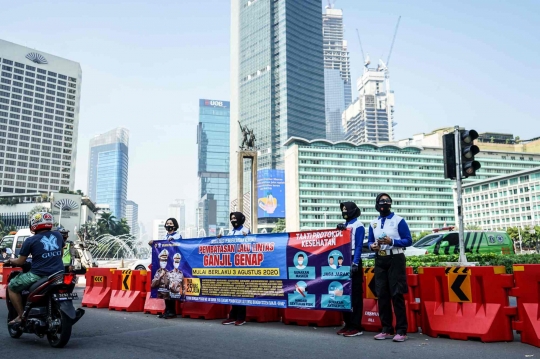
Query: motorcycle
point(48, 308)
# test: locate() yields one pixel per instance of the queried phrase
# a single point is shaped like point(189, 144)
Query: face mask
point(234, 223)
point(163, 264)
point(176, 265)
point(169, 228)
point(345, 215)
point(384, 209)
point(300, 262)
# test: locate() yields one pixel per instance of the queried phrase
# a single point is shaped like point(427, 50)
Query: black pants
point(353, 320)
point(170, 306)
point(238, 312)
point(391, 284)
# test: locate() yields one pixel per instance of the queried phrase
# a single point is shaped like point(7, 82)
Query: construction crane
point(331, 4)
point(393, 40)
point(364, 58)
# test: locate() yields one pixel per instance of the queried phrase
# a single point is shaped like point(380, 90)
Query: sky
point(145, 64)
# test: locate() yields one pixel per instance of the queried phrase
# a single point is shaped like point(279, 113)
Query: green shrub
point(487, 259)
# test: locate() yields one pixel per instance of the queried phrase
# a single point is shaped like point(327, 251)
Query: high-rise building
point(320, 174)
point(158, 229)
point(277, 76)
point(213, 169)
point(132, 217)
point(370, 117)
point(178, 211)
point(39, 120)
point(108, 170)
point(337, 73)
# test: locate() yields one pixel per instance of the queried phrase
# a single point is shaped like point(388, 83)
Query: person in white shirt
point(237, 315)
point(388, 235)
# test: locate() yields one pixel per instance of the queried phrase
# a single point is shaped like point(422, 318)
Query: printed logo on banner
point(336, 268)
point(300, 298)
point(335, 298)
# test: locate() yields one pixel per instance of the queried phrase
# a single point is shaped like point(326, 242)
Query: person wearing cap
point(389, 234)
point(171, 226)
point(353, 320)
point(175, 276)
point(237, 315)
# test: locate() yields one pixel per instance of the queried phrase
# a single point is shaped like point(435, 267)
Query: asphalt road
point(108, 334)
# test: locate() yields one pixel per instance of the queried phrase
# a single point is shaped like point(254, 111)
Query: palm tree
point(107, 223)
point(122, 227)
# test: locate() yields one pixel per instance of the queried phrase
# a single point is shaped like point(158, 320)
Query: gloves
point(342, 226)
point(354, 268)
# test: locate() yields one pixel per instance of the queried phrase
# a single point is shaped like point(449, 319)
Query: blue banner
point(283, 270)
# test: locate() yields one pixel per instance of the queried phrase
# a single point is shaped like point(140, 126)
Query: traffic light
point(468, 151)
point(449, 154)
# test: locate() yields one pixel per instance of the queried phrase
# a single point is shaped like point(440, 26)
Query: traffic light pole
point(459, 178)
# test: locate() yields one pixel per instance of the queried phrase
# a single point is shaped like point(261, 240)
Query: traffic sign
point(126, 274)
point(459, 284)
point(369, 274)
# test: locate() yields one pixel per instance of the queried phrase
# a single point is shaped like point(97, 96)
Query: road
point(108, 334)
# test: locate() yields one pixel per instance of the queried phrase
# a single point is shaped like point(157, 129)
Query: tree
point(37, 209)
point(4, 230)
point(280, 226)
point(66, 191)
point(107, 223)
point(122, 228)
point(473, 227)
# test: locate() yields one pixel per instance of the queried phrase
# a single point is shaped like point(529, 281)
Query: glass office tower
point(213, 169)
point(108, 170)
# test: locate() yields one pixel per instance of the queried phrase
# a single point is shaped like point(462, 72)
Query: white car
point(420, 247)
point(141, 264)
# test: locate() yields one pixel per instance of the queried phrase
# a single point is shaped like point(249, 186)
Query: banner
point(309, 270)
point(271, 193)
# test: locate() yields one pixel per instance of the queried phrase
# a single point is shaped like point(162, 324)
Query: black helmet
point(62, 230)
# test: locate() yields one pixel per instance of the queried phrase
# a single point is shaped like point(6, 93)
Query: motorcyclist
point(45, 247)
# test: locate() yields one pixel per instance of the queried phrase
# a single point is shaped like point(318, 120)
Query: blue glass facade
point(281, 73)
point(108, 171)
point(213, 170)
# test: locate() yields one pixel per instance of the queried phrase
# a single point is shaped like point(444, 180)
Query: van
point(498, 242)
point(16, 241)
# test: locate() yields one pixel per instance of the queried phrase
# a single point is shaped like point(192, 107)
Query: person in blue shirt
point(388, 235)
point(353, 320)
point(237, 315)
point(46, 249)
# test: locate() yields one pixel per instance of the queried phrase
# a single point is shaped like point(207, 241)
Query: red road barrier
point(527, 291)
point(318, 318)
point(153, 305)
point(4, 275)
point(197, 310)
point(128, 290)
point(97, 292)
point(262, 315)
point(370, 318)
point(466, 302)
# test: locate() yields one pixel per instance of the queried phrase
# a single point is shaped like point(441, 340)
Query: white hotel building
point(320, 174)
point(511, 200)
point(39, 119)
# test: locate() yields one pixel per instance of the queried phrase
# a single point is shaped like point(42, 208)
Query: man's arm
point(17, 262)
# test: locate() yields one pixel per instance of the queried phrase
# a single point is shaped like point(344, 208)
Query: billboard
point(271, 193)
point(214, 103)
point(308, 270)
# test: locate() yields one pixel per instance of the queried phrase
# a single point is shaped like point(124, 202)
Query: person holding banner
point(163, 277)
point(237, 315)
point(388, 235)
point(353, 320)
